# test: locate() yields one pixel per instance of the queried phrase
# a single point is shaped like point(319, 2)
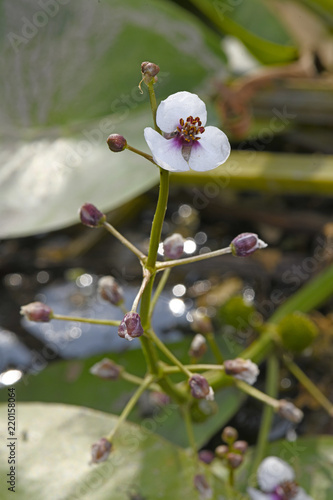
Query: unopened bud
point(201, 323)
point(242, 369)
point(100, 451)
point(240, 446)
point(234, 460)
point(130, 327)
point(173, 246)
point(116, 143)
point(200, 388)
point(222, 451)
point(91, 216)
point(109, 290)
point(201, 484)
point(246, 243)
point(289, 411)
point(206, 456)
point(198, 346)
point(149, 69)
point(106, 369)
point(159, 398)
point(229, 435)
point(37, 311)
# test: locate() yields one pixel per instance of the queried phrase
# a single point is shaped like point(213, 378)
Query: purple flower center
point(285, 491)
point(187, 131)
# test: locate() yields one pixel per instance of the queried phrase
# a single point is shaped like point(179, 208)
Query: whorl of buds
point(173, 246)
point(37, 311)
point(206, 456)
point(116, 143)
point(110, 291)
point(201, 323)
point(229, 435)
point(198, 346)
point(289, 411)
point(200, 388)
point(91, 216)
point(130, 327)
point(242, 369)
point(100, 451)
point(106, 369)
point(246, 243)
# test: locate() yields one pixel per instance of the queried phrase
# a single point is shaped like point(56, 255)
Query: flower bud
point(201, 484)
point(100, 451)
point(149, 69)
point(159, 398)
point(116, 143)
point(246, 243)
point(37, 311)
point(289, 411)
point(229, 435)
point(200, 388)
point(240, 446)
point(173, 246)
point(106, 369)
point(221, 451)
point(198, 346)
point(242, 369)
point(206, 456)
point(109, 290)
point(130, 327)
point(201, 323)
point(234, 460)
point(91, 216)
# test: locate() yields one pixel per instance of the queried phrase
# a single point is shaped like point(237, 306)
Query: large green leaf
point(68, 78)
point(53, 453)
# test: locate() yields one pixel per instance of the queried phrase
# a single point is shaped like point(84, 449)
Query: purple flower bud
point(91, 216)
point(229, 435)
point(200, 388)
point(130, 327)
point(221, 451)
point(37, 311)
point(201, 484)
point(289, 411)
point(246, 243)
point(116, 143)
point(100, 451)
point(234, 460)
point(109, 290)
point(106, 369)
point(149, 69)
point(159, 398)
point(173, 246)
point(201, 323)
point(240, 446)
point(206, 456)
point(198, 346)
point(243, 369)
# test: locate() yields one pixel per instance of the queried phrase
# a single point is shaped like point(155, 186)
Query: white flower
point(243, 369)
point(186, 142)
point(276, 481)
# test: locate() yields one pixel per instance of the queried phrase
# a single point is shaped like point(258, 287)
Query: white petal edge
point(177, 106)
point(213, 150)
point(273, 471)
point(257, 495)
point(165, 152)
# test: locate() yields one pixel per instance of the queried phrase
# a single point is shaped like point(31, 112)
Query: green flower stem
point(194, 367)
point(308, 384)
point(108, 322)
point(272, 380)
point(153, 103)
point(144, 283)
point(189, 260)
point(141, 256)
point(159, 289)
point(129, 377)
point(189, 428)
point(163, 348)
point(214, 347)
point(255, 393)
point(130, 405)
point(141, 153)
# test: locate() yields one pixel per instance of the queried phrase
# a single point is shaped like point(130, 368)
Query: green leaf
point(255, 24)
point(70, 78)
point(53, 453)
